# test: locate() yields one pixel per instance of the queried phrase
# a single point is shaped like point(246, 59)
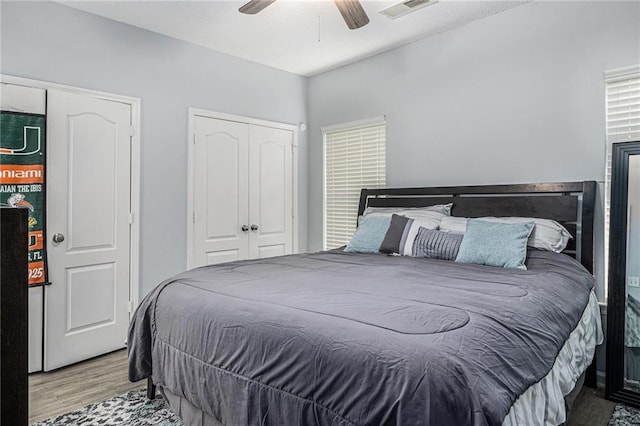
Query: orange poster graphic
point(22, 183)
point(10, 173)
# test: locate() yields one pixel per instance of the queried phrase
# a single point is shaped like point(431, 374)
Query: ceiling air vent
point(405, 7)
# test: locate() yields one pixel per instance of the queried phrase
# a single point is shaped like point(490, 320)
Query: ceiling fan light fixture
point(255, 6)
point(351, 10)
point(405, 7)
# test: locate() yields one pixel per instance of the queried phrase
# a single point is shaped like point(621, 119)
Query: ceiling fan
point(351, 11)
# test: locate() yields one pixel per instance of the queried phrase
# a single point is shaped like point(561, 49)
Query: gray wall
point(51, 42)
point(517, 97)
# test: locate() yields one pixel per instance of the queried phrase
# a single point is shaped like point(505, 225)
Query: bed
point(336, 338)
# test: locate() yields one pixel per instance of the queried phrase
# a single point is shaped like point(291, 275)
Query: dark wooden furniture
point(616, 302)
point(14, 397)
point(569, 203)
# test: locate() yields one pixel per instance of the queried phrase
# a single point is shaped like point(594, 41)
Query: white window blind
point(354, 158)
point(623, 124)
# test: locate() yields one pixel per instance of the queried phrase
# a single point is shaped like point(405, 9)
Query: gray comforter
point(337, 338)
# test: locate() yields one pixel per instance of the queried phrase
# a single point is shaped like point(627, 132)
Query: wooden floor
point(66, 389)
point(590, 408)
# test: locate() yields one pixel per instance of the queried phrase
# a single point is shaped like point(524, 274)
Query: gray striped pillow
point(436, 244)
point(402, 232)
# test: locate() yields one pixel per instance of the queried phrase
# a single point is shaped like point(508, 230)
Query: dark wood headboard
point(569, 203)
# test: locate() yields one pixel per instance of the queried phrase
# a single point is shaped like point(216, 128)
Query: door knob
point(244, 228)
point(254, 227)
point(58, 238)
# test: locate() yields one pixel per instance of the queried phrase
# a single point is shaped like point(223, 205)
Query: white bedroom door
point(270, 192)
point(88, 227)
point(220, 203)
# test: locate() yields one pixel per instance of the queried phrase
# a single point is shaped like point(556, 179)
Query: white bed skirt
point(544, 402)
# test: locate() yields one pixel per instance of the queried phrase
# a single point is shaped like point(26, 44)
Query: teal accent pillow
point(369, 235)
point(495, 244)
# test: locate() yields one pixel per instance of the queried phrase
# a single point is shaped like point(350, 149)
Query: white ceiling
point(304, 37)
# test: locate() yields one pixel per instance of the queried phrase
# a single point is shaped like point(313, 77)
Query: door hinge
point(130, 306)
point(194, 217)
point(130, 218)
point(194, 138)
point(132, 131)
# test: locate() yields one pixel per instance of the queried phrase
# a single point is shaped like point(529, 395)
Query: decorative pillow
point(393, 238)
point(547, 234)
point(436, 244)
point(402, 232)
point(495, 244)
point(445, 209)
point(369, 235)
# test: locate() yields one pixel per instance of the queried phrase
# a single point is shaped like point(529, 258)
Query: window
point(623, 124)
point(354, 158)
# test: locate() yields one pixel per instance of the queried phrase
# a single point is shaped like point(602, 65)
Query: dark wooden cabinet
point(14, 359)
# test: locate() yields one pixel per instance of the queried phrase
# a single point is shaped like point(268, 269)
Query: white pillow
point(454, 224)
point(547, 234)
point(428, 219)
point(406, 211)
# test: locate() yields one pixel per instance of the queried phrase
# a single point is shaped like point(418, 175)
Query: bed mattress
point(342, 338)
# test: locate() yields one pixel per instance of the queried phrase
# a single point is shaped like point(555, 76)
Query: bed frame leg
point(151, 389)
point(591, 377)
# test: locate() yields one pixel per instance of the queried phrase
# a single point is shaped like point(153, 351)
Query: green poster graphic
point(22, 157)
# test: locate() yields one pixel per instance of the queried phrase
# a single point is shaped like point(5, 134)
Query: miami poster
point(22, 161)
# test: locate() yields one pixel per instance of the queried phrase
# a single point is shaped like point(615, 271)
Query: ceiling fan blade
point(255, 6)
point(352, 13)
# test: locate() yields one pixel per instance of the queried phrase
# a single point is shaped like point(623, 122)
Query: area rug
point(134, 409)
point(625, 416)
point(131, 409)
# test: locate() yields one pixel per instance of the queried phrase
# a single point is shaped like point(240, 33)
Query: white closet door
point(270, 191)
point(88, 197)
point(220, 191)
